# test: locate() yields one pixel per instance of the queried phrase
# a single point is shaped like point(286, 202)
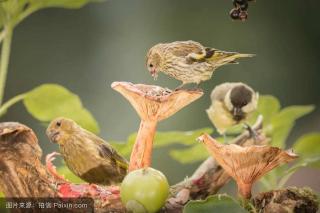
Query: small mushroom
point(153, 104)
point(246, 164)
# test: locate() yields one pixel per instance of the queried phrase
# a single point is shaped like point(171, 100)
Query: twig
point(4, 60)
point(12, 101)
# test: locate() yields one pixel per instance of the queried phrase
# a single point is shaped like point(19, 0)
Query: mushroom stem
point(142, 149)
point(244, 190)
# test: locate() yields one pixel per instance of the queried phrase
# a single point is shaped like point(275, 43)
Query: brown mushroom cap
point(246, 164)
point(153, 102)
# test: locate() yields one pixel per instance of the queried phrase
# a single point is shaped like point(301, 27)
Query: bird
point(188, 61)
point(85, 154)
point(231, 104)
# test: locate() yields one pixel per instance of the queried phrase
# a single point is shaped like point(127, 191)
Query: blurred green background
point(86, 50)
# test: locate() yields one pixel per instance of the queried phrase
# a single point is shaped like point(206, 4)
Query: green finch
point(188, 61)
point(231, 105)
point(87, 156)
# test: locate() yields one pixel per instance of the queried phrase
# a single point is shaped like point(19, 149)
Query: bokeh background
point(86, 50)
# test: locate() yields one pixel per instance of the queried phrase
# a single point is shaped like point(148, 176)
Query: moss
point(297, 200)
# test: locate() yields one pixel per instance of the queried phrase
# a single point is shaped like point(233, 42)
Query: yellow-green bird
point(87, 156)
point(188, 61)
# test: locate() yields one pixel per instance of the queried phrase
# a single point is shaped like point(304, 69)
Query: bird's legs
point(52, 169)
point(179, 87)
point(253, 134)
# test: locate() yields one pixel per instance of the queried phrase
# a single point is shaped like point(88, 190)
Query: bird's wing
point(106, 151)
point(184, 48)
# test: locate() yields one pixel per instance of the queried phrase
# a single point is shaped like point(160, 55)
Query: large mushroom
point(246, 164)
point(153, 104)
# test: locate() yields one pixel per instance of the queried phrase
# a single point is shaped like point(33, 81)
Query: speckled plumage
point(86, 155)
point(188, 61)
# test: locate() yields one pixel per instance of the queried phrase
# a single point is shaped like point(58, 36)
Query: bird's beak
point(238, 114)
point(53, 135)
point(154, 74)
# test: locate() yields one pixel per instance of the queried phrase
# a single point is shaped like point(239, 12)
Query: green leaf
point(283, 122)
point(215, 203)
point(50, 101)
point(162, 139)
point(3, 16)
point(268, 106)
point(303, 163)
point(308, 149)
point(186, 138)
point(292, 113)
point(69, 175)
point(190, 155)
point(71, 4)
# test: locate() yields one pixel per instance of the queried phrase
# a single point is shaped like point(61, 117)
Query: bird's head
point(241, 100)
point(153, 62)
point(60, 129)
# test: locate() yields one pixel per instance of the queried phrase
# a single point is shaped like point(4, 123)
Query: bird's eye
point(58, 123)
point(151, 65)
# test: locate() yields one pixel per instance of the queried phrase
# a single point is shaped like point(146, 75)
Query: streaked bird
point(231, 104)
point(188, 61)
point(86, 155)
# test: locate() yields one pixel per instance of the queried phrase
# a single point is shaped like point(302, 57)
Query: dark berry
point(241, 1)
point(244, 7)
point(234, 13)
point(243, 15)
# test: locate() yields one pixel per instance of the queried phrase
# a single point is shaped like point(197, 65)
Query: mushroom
point(246, 164)
point(153, 104)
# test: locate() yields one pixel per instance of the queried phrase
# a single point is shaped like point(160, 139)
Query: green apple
point(144, 190)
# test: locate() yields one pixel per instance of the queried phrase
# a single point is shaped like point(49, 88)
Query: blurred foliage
point(68, 175)
point(215, 203)
point(14, 11)
point(49, 101)
point(162, 139)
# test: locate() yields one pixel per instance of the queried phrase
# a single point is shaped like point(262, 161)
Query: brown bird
point(87, 156)
point(188, 61)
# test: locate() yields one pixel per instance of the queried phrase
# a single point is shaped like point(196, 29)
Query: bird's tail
point(219, 57)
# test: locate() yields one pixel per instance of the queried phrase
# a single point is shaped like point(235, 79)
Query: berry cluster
point(240, 10)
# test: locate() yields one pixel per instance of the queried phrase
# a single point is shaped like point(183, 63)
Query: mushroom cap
point(246, 164)
point(154, 102)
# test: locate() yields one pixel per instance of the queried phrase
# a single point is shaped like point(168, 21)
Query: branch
point(20, 165)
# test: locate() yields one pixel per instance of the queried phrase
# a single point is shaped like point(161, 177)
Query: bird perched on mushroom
point(231, 104)
point(86, 155)
point(188, 61)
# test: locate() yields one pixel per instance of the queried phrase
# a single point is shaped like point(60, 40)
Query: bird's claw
point(51, 168)
point(252, 133)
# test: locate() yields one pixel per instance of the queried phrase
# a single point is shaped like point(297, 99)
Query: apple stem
point(141, 155)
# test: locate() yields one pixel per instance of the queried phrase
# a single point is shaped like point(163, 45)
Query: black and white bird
point(231, 104)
